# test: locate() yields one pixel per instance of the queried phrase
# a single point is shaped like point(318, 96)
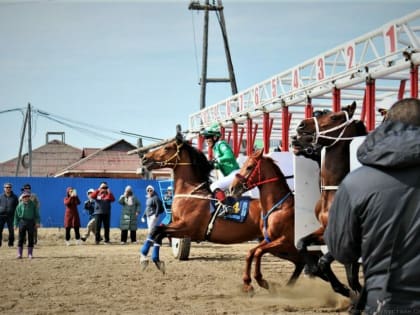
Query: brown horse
point(191, 216)
point(277, 202)
point(334, 131)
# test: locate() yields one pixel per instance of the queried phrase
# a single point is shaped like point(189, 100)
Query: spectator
point(103, 199)
point(225, 161)
point(89, 208)
point(375, 214)
point(129, 212)
point(167, 202)
point(167, 199)
point(71, 216)
point(34, 198)
point(8, 204)
point(278, 148)
point(26, 220)
point(154, 208)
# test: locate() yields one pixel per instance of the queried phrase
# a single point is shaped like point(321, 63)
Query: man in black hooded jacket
point(376, 213)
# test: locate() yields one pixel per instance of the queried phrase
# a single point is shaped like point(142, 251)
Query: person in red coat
point(71, 216)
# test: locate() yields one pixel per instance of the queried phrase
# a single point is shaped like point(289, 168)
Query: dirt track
point(107, 279)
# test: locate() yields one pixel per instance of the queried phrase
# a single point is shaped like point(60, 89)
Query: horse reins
point(246, 182)
point(174, 156)
point(265, 217)
point(322, 134)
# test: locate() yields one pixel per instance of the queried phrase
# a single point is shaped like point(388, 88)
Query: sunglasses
point(149, 190)
point(7, 187)
point(105, 187)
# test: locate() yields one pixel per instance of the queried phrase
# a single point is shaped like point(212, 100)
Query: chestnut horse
point(334, 131)
point(191, 216)
point(278, 213)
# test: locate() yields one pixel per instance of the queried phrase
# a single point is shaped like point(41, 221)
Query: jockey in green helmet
point(225, 161)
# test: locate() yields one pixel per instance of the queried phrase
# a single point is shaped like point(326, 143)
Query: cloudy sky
point(92, 69)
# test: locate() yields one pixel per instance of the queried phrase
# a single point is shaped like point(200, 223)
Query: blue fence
point(51, 193)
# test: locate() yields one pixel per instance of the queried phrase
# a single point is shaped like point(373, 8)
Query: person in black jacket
point(8, 204)
point(103, 198)
point(376, 214)
point(89, 208)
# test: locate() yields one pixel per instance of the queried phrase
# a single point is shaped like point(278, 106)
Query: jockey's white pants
point(223, 183)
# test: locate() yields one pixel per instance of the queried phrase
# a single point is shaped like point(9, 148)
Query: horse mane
point(200, 165)
point(278, 171)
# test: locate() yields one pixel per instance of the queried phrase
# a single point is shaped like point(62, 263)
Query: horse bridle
point(246, 181)
point(175, 156)
point(322, 134)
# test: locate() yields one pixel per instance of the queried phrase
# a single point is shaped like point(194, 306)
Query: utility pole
point(20, 160)
point(218, 9)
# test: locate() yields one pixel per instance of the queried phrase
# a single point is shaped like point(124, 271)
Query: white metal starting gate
point(372, 68)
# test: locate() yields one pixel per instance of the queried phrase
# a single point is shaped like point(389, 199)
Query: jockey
point(225, 161)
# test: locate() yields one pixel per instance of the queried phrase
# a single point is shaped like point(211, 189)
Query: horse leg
point(352, 273)
point(260, 251)
point(296, 273)
point(158, 237)
point(278, 248)
point(246, 278)
point(302, 248)
point(325, 266)
point(153, 239)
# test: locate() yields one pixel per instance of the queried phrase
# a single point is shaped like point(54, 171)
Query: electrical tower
point(218, 9)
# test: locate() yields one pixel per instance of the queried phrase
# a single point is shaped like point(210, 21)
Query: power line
point(82, 127)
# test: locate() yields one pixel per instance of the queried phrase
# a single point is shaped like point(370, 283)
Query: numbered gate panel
point(307, 193)
point(284, 161)
point(354, 145)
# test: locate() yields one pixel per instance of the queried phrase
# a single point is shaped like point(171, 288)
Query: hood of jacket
point(391, 145)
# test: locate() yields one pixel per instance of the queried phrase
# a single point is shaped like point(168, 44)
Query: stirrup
point(225, 210)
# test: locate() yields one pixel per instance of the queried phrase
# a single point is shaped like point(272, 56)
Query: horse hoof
point(161, 266)
point(249, 290)
point(263, 284)
point(144, 262)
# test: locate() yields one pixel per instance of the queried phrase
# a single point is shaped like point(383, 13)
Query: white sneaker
point(78, 242)
point(67, 243)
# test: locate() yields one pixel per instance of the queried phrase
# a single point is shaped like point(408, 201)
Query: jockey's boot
point(225, 202)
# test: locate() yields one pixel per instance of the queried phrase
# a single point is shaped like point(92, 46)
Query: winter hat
point(90, 191)
point(26, 187)
point(128, 188)
point(150, 187)
point(24, 194)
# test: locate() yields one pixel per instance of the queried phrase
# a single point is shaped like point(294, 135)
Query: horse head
point(256, 171)
point(178, 153)
point(168, 155)
point(327, 128)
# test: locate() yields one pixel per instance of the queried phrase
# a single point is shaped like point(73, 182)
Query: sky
point(99, 70)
